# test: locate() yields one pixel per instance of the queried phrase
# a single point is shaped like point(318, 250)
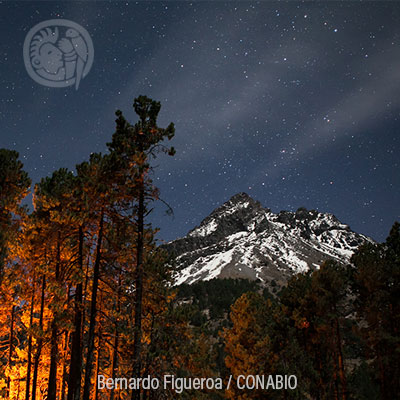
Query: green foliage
point(216, 295)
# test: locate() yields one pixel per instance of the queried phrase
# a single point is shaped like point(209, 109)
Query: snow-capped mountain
point(242, 239)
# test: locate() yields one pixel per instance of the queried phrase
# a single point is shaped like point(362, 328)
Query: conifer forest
point(86, 291)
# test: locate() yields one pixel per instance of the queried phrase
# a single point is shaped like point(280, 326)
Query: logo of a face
point(58, 53)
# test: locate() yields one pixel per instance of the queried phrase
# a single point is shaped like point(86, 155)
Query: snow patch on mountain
point(205, 229)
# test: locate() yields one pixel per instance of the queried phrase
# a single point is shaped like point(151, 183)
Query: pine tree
point(134, 146)
point(95, 179)
point(330, 289)
point(315, 305)
point(86, 242)
point(376, 284)
point(14, 184)
point(52, 198)
point(247, 343)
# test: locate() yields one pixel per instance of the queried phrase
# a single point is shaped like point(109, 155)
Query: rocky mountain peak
point(241, 198)
point(243, 239)
point(229, 218)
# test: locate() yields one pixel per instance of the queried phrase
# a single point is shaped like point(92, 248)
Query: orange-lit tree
point(14, 185)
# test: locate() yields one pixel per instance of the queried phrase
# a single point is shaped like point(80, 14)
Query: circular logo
point(58, 53)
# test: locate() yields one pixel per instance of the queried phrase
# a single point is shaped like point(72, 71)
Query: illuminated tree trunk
point(65, 357)
point(93, 310)
point(64, 371)
point(52, 385)
point(10, 350)
point(39, 343)
point(116, 338)
point(74, 382)
point(29, 366)
point(85, 295)
point(96, 390)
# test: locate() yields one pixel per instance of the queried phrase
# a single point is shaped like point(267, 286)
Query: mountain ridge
point(243, 239)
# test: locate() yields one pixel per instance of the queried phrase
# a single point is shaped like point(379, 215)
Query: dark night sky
point(295, 103)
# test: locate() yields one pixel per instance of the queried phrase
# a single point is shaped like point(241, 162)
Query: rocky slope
point(241, 239)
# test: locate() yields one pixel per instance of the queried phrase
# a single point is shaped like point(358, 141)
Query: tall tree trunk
point(139, 291)
point(40, 341)
point(65, 352)
point(10, 350)
point(85, 295)
point(64, 369)
point(146, 394)
point(96, 389)
point(93, 310)
point(52, 385)
point(139, 279)
point(116, 338)
point(75, 369)
point(29, 366)
point(18, 389)
point(114, 361)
